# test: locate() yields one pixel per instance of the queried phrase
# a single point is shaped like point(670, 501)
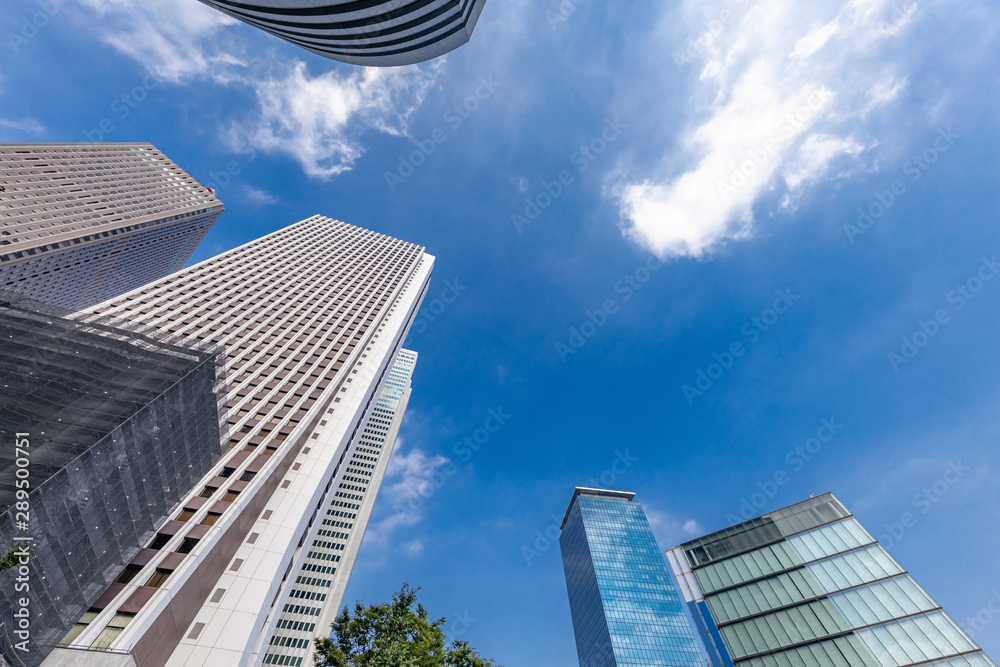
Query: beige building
point(82, 223)
point(311, 599)
point(312, 318)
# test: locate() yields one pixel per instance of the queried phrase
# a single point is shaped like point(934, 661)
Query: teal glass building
point(808, 585)
point(625, 609)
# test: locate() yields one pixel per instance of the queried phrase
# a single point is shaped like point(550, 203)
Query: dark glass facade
point(626, 611)
point(120, 424)
point(808, 585)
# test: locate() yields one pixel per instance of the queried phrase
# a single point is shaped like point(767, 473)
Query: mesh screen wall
point(120, 424)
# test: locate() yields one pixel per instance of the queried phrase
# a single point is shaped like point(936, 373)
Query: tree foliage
point(393, 634)
point(12, 557)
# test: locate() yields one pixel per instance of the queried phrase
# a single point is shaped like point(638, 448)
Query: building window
point(81, 625)
point(210, 519)
point(158, 578)
point(112, 630)
point(128, 574)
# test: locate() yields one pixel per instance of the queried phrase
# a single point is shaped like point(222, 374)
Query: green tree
point(12, 557)
point(393, 634)
point(8, 559)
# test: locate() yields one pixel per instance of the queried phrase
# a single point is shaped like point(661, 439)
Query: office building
point(375, 34)
point(107, 427)
point(808, 585)
point(625, 609)
point(311, 599)
point(311, 317)
point(82, 223)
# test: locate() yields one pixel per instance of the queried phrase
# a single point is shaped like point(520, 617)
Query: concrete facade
point(312, 318)
point(82, 223)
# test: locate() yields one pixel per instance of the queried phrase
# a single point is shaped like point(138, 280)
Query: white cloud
point(29, 125)
point(815, 155)
point(670, 531)
point(692, 528)
point(410, 480)
point(414, 547)
point(258, 197)
point(317, 120)
point(781, 80)
point(311, 118)
point(174, 40)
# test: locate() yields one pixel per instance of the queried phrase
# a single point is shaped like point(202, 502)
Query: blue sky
point(726, 145)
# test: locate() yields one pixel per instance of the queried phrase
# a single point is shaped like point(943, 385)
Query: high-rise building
point(626, 611)
point(376, 34)
point(108, 427)
point(82, 223)
point(313, 596)
point(808, 585)
point(312, 318)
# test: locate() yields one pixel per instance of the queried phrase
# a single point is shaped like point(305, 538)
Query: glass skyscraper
point(808, 585)
point(626, 611)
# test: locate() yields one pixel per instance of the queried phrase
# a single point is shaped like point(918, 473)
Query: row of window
point(365, 438)
point(326, 569)
point(915, 640)
point(760, 596)
point(882, 601)
point(843, 651)
point(823, 577)
point(783, 628)
point(820, 543)
point(832, 539)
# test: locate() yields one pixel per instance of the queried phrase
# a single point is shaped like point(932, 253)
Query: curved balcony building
point(377, 33)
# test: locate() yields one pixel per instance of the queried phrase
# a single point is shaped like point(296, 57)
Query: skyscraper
point(377, 34)
point(808, 585)
point(310, 600)
point(108, 427)
point(626, 612)
point(82, 223)
point(311, 317)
